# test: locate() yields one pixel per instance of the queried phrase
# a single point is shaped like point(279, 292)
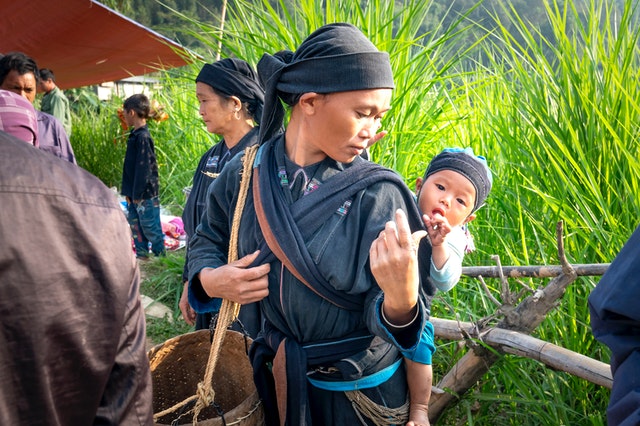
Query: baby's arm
point(447, 251)
point(448, 276)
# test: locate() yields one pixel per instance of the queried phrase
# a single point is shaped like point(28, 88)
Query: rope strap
point(379, 415)
point(229, 310)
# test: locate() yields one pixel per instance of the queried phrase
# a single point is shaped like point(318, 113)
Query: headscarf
point(334, 58)
point(235, 77)
point(18, 117)
point(464, 161)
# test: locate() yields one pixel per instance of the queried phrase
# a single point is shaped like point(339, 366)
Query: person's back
point(72, 332)
point(54, 138)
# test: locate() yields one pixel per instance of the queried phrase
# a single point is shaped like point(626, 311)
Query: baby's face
point(449, 194)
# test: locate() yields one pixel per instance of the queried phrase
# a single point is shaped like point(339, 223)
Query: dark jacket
point(615, 321)
point(140, 170)
point(209, 167)
point(302, 323)
point(72, 328)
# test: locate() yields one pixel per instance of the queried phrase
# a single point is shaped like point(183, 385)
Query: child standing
point(455, 185)
point(140, 179)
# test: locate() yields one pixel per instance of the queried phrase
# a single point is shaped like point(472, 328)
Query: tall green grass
point(558, 119)
point(97, 139)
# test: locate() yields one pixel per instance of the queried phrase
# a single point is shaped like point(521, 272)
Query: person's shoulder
point(44, 116)
point(49, 174)
point(232, 171)
point(50, 125)
point(141, 134)
point(384, 185)
point(252, 136)
point(61, 97)
point(59, 92)
point(237, 160)
point(380, 175)
point(458, 239)
point(48, 119)
point(143, 131)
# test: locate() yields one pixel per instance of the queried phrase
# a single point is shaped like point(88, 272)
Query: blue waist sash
point(370, 381)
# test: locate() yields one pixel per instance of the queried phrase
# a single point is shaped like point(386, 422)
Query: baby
point(455, 185)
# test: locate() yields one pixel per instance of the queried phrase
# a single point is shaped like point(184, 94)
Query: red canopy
point(84, 42)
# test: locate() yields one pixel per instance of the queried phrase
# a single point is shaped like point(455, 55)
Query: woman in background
point(231, 100)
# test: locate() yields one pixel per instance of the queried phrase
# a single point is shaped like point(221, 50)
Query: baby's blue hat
point(464, 161)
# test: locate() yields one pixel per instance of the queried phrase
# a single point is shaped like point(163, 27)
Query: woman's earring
point(236, 113)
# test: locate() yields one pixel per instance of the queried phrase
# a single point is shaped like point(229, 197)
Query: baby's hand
point(437, 227)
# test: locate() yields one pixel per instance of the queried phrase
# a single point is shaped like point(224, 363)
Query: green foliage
point(97, 139)
point(162, 281)
point(252, 29)
point(560, 130)
point(162, 278)
point(160, 330)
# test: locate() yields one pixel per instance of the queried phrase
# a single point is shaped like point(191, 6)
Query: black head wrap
point(335, 58)
point(465, 162)
point(235, 77)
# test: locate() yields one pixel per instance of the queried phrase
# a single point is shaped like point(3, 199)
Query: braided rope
point(378, 414)
point(229, 310)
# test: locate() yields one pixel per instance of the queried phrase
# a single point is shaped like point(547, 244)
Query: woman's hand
point(236, 281)
point(188, 313)
point(376, 138)
point(394, 263)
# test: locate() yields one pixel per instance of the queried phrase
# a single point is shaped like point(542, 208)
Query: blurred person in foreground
point(18, 117)
point(72, 328)
point(615, 322)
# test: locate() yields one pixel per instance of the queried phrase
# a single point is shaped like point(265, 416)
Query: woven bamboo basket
point(179, 364)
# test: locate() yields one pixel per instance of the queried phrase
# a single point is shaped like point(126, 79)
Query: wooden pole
point(222, 19)
point(523, 318)
point(539, 271)
point(521, 344)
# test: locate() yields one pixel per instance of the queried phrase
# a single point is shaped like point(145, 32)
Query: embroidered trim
point(212, 162)
point(344, 208)
point(282, 174)
point(211, 175)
